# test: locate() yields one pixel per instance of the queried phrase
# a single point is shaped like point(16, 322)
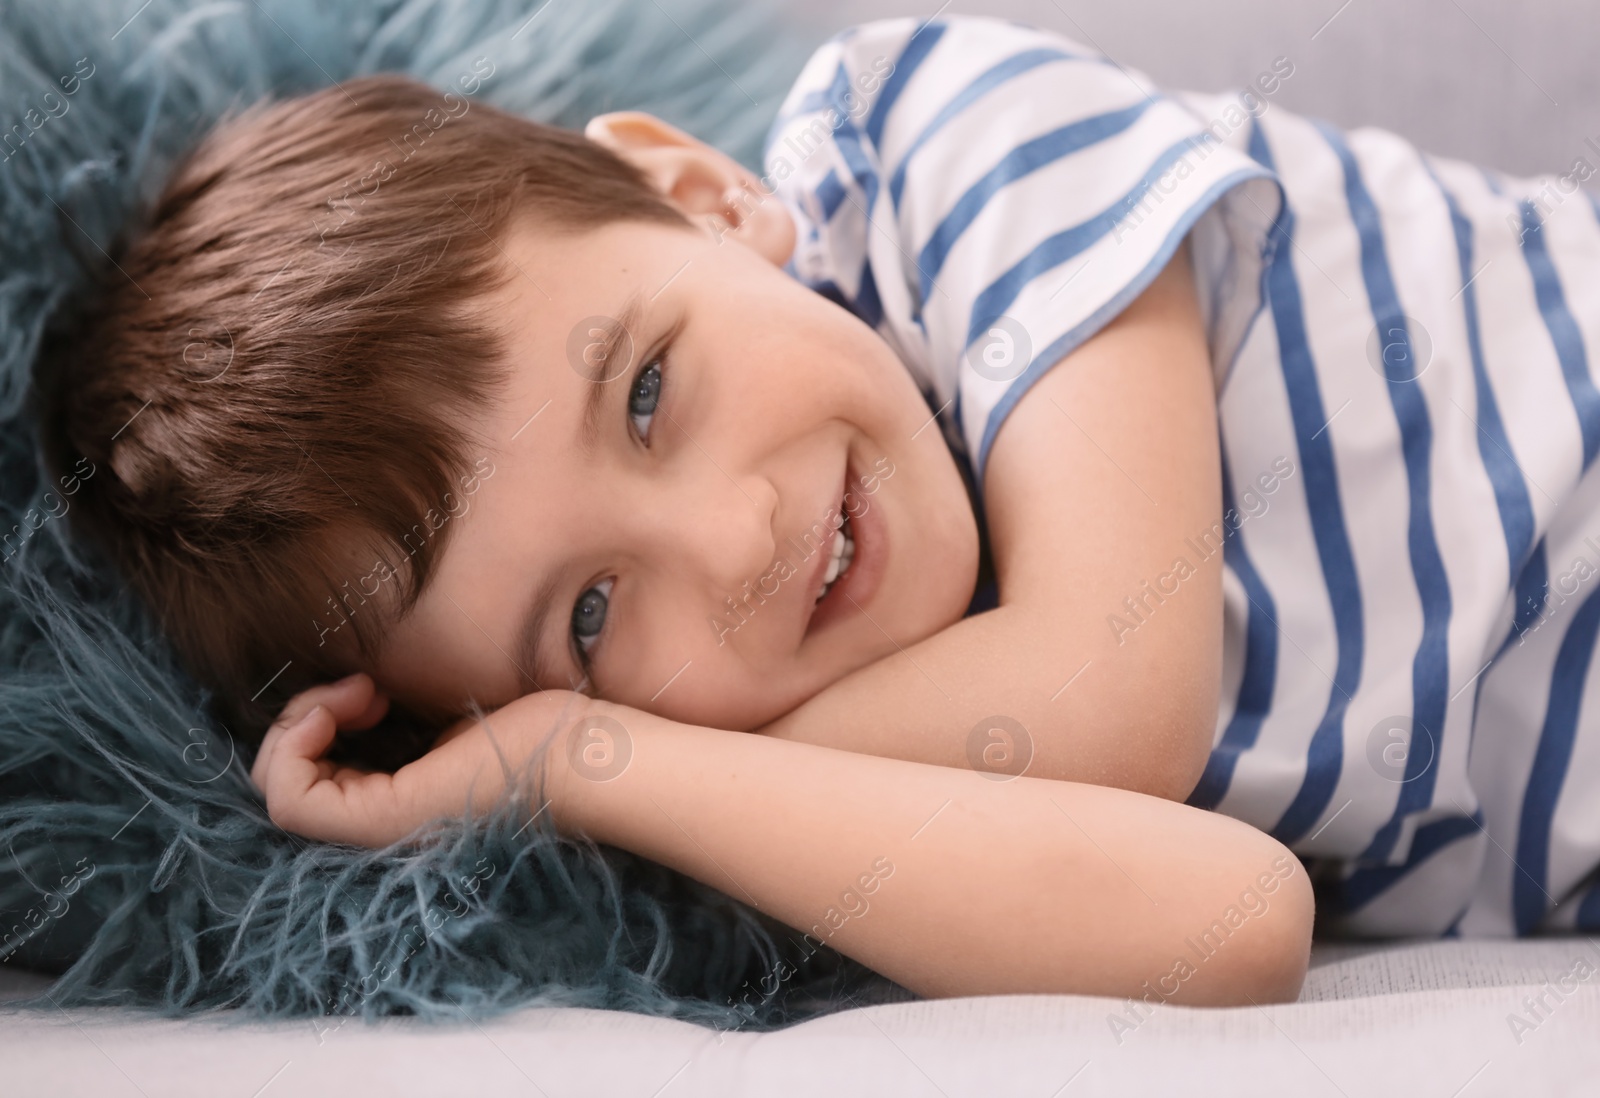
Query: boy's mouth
point(853, 561)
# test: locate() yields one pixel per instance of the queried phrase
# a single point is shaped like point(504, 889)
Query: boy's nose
point(721, 534)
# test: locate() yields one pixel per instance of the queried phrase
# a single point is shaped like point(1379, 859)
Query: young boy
point(365, 419)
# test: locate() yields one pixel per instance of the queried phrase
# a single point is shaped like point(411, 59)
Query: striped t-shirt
point(1408, 421)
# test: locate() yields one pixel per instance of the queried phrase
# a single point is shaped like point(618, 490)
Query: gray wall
point(1513, 86)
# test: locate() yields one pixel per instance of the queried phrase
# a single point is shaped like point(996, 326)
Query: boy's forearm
point(947, 881)
point(1089, 709)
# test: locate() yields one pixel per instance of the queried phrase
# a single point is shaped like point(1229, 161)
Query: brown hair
point(277, 384)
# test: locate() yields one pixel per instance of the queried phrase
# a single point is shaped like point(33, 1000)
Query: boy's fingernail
point(305, 718)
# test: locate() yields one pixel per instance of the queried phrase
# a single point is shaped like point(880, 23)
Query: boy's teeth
point(844, 548)
point(838, 552)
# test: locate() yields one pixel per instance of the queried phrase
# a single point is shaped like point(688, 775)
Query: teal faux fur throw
point(139, 866)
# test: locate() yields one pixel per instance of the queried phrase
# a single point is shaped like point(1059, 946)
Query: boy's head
point(387, 370)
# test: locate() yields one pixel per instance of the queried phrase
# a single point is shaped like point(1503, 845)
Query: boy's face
point(725, 483)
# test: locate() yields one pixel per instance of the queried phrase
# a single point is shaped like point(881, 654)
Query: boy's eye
point(589, 617)
point(644, 396)
point(589, 612)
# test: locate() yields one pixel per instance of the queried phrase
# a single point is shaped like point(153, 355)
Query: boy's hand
point(321, 800)
point(310, 796)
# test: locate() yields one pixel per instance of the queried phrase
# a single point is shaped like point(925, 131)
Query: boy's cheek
point(871, 482)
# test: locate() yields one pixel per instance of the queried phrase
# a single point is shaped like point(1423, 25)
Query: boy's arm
point(1104, 475)
point(941, 879)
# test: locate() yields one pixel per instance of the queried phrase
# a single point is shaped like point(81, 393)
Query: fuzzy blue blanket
point(140, 868)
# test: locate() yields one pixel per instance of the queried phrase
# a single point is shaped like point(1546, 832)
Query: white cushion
point(1429, 1018)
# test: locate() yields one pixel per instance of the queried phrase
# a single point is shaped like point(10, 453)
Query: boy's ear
point(708, 185)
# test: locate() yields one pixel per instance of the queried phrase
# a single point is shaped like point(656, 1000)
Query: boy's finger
point(269, 746)
point(376, 708)
point(299, 748)
point(329, 694)
point(354, 702)
point(258, 769)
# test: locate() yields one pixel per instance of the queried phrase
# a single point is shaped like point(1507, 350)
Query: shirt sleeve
point(988, 195)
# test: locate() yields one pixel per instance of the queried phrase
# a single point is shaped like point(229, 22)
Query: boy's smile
point(671, 537)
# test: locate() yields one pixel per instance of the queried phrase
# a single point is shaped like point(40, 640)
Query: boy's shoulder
point(899, 32)
point(867, 90)
point(987, 195)
point(860, 60)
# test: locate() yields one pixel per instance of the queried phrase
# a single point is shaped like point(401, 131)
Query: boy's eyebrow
point(625, 323)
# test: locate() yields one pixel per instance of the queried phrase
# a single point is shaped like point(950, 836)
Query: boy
point(1045, 246)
